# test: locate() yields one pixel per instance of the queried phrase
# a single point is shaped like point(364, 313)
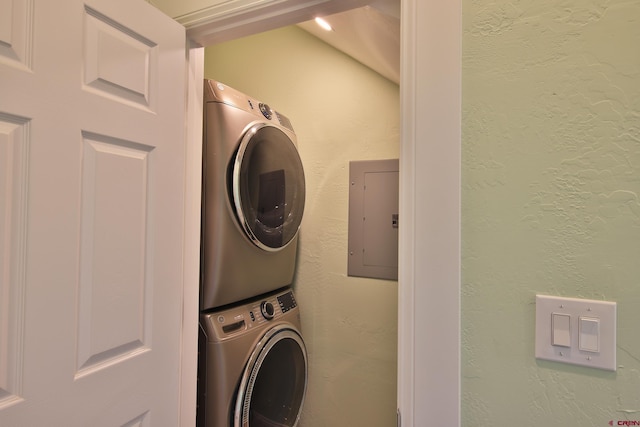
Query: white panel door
point(92, 169)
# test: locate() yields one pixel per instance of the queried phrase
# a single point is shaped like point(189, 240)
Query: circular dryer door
point(274, 382)
point(268, 187)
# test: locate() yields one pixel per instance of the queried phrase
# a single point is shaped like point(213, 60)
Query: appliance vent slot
point(284, 121)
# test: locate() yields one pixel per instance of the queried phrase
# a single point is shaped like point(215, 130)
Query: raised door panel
point(115, 289)
point(14, 149)
point(16, 17)
point(107, 45)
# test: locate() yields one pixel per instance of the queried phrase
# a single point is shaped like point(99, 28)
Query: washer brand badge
point(624, 423)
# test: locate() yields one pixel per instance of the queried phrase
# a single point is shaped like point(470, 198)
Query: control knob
point(265, 110)
point(267, 310)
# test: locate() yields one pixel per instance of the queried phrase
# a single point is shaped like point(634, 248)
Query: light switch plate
point(598, 316)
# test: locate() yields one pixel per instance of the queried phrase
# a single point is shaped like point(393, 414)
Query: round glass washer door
point(268, 187)
point(274, 382)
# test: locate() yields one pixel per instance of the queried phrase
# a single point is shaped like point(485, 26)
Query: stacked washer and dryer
point(252, 367)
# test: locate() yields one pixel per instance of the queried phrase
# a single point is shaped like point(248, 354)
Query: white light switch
point(561, 330)
point(589, 334)
point(577, 331)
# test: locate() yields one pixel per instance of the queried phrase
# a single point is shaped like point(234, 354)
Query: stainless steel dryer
point(253, 198)
point(252, 364)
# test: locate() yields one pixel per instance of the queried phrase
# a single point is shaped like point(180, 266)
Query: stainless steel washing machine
point(252, 364)
point(253, 198)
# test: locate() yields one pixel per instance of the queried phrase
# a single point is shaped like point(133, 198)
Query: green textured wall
point(551, 177)
point(341, 111)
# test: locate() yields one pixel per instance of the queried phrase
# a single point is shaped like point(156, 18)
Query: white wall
point(341, 111)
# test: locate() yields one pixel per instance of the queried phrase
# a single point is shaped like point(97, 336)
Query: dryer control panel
point(287, 301)
point(268, 308)
point(234, 321)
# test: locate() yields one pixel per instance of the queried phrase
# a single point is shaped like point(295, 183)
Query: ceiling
point(369, 34)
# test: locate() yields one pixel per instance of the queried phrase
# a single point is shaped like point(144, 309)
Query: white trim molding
point(429, 281)
point(193, 179)
point(214, 21)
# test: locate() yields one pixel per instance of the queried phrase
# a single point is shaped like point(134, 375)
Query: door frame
point(193, 188)
point(430, 168)
point(430, 183)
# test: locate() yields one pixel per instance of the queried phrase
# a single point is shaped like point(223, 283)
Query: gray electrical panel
point(373, 219)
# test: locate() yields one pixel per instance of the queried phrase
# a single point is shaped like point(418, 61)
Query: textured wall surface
point(341, 111)
point(551, 178)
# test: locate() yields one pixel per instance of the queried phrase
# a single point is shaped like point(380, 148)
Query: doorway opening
point(341, 110)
